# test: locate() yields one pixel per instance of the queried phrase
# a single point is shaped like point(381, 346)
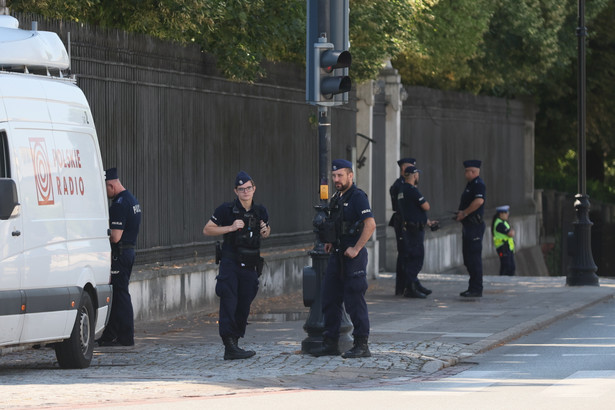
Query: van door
point(11, 258)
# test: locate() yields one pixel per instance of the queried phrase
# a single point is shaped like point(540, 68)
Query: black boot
point(423, 289)
point(232, 351)
point(359, 348)
point(329, 347)
point(412, 291)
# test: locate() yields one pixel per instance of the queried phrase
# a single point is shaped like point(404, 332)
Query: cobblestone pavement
point(411, 340)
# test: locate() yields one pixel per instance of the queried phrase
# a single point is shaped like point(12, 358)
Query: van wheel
point(76, 351)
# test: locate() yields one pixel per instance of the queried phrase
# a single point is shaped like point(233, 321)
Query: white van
point(54, 244)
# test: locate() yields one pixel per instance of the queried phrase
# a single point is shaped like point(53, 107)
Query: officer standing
point(413, 207)
point(124, 221)
point(345, 279)
point(396, 222)
point(503, 240)
point(470, 214)
point(243, 224)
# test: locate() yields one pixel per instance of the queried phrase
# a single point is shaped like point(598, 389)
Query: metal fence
point(178, 133)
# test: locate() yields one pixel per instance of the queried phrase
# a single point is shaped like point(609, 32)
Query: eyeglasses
point(246, 189)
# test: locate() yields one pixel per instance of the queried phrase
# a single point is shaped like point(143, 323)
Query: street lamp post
point(582, 271)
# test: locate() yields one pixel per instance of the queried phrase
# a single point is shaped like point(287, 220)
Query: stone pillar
point(394, 97)
point(4, 11)
point(364, 164)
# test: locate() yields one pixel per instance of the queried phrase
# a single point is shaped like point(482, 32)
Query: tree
point(449, 35)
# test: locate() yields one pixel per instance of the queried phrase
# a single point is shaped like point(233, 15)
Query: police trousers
point(507, 260)
point(400, 275)
point(236, 286)
point(345, 282)
point(121, 319)
point(413, 254)
point(472, 246)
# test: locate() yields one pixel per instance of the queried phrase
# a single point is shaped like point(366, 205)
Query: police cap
point(242, 178)
point(110, 174)
point(406, 161)
point(340, 163)
point(472, 163)
point(503, 208)
point(410, 169)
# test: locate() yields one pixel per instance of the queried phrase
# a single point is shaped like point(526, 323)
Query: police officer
point(470, 214)
point(124, 221)
point(503, 240)
point(345, 279)
point(396, 222)
point(243, 223)
point(413, 207)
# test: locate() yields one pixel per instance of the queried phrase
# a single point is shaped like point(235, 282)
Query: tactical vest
point(500, 238)
point(246, 242)
point(334, 228)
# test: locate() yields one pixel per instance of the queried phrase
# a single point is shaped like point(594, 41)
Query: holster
point(259, 266)
point(473, 219)
point(218, 252)
point(396, 221)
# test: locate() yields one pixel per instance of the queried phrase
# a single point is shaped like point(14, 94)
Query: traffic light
point(327, 80)
point(329, 76)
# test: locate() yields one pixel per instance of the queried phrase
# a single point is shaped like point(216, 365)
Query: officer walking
point(503, 240)
point(345, 279)
point(243, 224)
point(396, 222)
point(413, 207)
point(470, 214)
point(124, 221)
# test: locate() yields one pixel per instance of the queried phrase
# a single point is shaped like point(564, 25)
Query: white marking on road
point(583, 384)
point(463, 383)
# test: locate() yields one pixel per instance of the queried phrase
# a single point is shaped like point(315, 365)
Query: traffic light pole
point(582, 270)
point(315, 324)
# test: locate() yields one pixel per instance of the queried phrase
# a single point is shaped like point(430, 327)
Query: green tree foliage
point(379, 30)
point(241, 34)
point(168, 19)
point(448, 36)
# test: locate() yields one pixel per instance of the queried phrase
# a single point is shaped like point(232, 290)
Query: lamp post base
point(582, 270)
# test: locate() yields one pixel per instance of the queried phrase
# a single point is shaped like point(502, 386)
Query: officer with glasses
point(242, 224)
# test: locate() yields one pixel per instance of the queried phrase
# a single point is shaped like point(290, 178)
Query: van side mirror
point(8, 197)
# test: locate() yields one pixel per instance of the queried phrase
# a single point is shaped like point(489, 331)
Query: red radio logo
point(42, 171)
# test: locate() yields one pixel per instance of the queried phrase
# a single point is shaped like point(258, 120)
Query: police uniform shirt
point(409, 204)
point(125, 214)
point(474, 189)
point(228, 212)
point(355, 208)
point(394, 192)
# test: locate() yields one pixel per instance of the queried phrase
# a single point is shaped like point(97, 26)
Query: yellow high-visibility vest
point(499, 238)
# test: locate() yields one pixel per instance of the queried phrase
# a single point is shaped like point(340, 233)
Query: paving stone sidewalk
point(410, 339)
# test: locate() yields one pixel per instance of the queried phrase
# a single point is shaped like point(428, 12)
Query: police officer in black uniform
point(345, 279)
point(124, 221)
point(243, 223)
point(470, 214)
point(413, 207)
point(396, 222)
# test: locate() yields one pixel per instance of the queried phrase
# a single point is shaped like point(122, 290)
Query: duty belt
point(414, 225)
